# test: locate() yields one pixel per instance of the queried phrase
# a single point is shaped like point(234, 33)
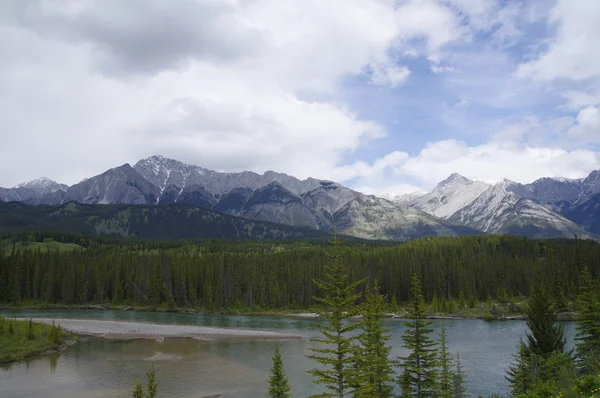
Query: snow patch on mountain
point(450, 195)
point(403, 198)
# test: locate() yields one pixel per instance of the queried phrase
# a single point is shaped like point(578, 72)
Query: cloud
point(136, 36)
point(573, 52)
point(432, 22)
point(256, 85)
point(489, 162)
point(587, 125)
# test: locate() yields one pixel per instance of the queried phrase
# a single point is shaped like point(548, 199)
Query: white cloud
point(587, 125)
point(489, 162)
point(437, 25)
point(224, 84)
point(388, 74)
point(573, 52)
point(516, 132)
point(494, 160)
point(251, 85)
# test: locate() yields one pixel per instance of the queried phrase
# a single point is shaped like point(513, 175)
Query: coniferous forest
point(220, 276)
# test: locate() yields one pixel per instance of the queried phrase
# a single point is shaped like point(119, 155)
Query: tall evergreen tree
point(335, 355)
point(458, 379)
point(419, 377)
point(152, 387)
point(445, 362)
point(138, 390)
point(544, 339)
point(545, 336)
point(588, 326)
point(520, 375)
point(375, 374)
point(278, 382)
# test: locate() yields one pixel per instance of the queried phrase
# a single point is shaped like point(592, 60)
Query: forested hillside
point(270, 275)
point(174, 221)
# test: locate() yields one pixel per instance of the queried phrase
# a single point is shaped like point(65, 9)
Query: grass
point(48, 244)
point(20, 339)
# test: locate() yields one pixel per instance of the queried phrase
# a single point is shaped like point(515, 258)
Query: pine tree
point(419, 377)
point(520, 375)
point(458, 379)
point(138, 391)
point(152, 387)
point(335, 357)
point(375, 374)
point(545, 336)
point(278, 382)
point(445, 362)
point(588, 326)
point(394, 309)
point(30, 332)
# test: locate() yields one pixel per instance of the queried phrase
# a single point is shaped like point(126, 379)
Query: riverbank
point(21, 339)
point(489, 311)
point(141, 330)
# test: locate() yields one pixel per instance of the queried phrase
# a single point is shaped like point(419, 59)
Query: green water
point(236, 367)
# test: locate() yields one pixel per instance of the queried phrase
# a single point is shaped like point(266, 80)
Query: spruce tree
point(335, 355)
point(545, 336)
point(419, 377)
point(458, 379)
point(138, 391)
point(375, 375)
point(445, 363)
point(30, 332)
point(588, 326)
point(152, 387)
point(520, 375)
point(278, 382)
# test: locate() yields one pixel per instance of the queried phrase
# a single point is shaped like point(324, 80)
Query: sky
point(381, 95)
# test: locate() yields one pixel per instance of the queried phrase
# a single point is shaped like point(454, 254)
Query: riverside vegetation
point(21, 339)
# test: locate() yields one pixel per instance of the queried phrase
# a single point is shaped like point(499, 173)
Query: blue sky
point(385, 96)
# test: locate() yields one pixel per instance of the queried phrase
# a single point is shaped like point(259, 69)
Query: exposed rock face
point(457, 205)
point(499, 210)
point(450, 195)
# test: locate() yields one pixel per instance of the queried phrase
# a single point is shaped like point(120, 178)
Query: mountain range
point(456, 206)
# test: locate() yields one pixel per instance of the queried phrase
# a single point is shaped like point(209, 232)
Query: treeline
point(220, 275)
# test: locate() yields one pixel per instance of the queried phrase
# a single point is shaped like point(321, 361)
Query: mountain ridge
point(457, 205)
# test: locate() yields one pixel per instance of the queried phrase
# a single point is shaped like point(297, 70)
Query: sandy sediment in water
point(132, 330)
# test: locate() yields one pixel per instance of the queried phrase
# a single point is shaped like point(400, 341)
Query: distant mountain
point(456, 206)
point(403, 198)
point(174, 221)
point(548, 207)
point(586, 214)
point(270, 197)
point(42, 186)
point(498, 210)
point(449, 196)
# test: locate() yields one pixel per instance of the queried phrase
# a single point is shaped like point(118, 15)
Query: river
point(234, 366)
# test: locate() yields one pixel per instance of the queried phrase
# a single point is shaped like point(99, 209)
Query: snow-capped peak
point(403, 198)
point(38, 182)
point(42, 186)
point(450, 195)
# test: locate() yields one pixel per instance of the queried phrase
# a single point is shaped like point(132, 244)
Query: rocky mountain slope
point(548, 207)
point(270, 197)
point(449, 196)
point(499, 210)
